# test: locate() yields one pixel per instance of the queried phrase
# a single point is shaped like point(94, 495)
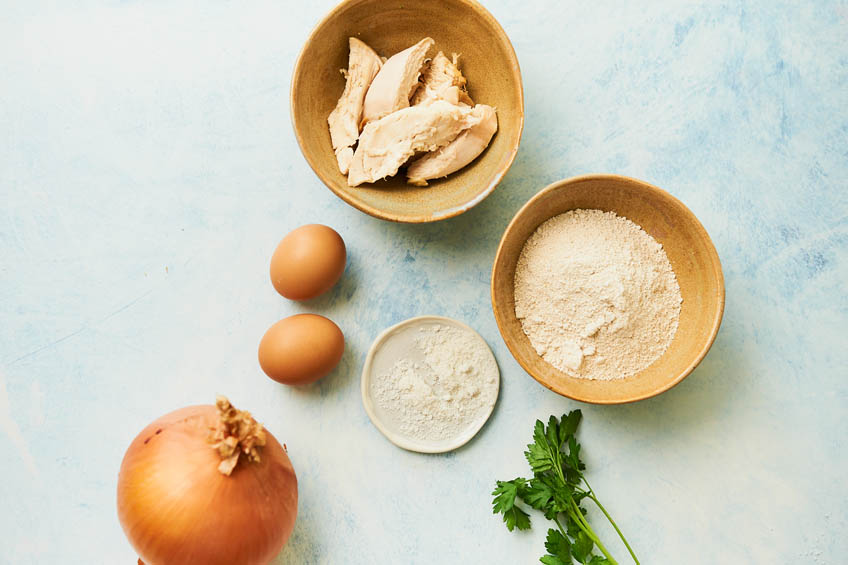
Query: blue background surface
point(148, 169)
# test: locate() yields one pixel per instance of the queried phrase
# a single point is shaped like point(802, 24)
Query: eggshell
point(308, 262)
point(301, 349)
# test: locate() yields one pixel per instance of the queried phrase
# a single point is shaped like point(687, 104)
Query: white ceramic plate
point(383, 353)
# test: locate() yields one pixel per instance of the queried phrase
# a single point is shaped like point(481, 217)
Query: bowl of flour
point(607, 289)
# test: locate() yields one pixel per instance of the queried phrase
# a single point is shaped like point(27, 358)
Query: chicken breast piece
point(388, 143)
point(441, 79)
point(465, 148)
point(395, 83)
point(363, 65)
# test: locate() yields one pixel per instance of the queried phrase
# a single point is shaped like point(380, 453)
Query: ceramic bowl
point(689, 249)
point(487, 60)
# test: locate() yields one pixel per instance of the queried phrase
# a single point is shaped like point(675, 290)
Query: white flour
point(596, 295)
point(442, 387)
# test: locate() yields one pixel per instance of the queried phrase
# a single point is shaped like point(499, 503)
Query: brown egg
point(308, 262)
point(301, 349)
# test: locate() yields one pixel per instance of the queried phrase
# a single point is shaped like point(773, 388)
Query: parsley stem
point(578, 517)
point(594, 498)
point(561, 529)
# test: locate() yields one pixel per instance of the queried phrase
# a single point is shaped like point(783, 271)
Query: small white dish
point(387, 348)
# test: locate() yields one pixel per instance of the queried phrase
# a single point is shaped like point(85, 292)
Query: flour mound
point(596, 295)
point(439, 397)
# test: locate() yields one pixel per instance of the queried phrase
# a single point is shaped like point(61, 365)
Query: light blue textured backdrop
point(148, 168)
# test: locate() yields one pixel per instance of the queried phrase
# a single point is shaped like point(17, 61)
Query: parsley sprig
point(558, 488)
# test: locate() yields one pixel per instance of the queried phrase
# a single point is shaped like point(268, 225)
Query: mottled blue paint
point(136, 136)
point(681, 30)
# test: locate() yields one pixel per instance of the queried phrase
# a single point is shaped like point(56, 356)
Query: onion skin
point(176, 508)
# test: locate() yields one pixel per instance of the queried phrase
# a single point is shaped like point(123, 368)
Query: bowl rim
point(565, 184)
point(411, 218)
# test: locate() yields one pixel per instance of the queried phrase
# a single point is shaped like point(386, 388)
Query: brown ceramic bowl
point(689, 249)
point(487, 60)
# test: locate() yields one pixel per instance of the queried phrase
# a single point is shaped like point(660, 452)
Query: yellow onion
point(207, 485)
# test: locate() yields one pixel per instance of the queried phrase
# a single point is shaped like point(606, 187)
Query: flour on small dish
point(432, 382)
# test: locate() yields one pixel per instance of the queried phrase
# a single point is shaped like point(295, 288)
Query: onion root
point(237, 433)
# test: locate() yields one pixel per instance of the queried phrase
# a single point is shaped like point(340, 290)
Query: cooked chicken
point(395, 83)
point(388, 143)
point(363, 65)
point(450, 94)
point(442, 80)
point(459, 152)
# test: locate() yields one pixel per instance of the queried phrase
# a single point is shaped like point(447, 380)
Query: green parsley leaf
point(558, 545)
point(552, 433)
point(574, 455)
point(515, 517)
point(538, 454)
point(504, 502)
point(537, 494)
point(582, 547)
point(554, 560)
point(505, 493)
point(569, 425)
